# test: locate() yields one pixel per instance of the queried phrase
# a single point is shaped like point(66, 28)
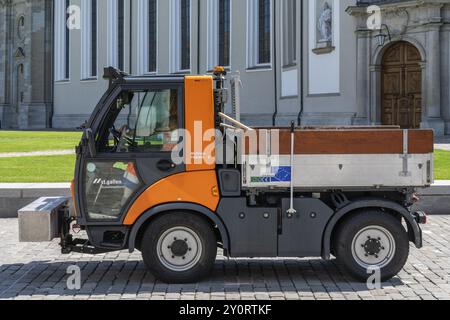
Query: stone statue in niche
point(325, 23)
point(325, 30)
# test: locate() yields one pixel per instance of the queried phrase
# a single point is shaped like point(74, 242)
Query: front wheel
point(372, 241)
point(179, 248)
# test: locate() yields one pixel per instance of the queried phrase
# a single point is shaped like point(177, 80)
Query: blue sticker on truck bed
point(279, 174)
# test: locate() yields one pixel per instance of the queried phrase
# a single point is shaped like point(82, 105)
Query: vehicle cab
point(130, 144)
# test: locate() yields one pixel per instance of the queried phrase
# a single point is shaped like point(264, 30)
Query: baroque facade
point(26, 48)
point(406, 80)
point(317, 62)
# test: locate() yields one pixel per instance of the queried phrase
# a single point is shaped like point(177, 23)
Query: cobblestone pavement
point(38, 271)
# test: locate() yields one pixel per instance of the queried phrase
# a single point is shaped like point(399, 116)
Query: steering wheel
point(129, 140)
point(121, 135)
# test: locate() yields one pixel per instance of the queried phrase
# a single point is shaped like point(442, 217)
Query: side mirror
point(90, 139)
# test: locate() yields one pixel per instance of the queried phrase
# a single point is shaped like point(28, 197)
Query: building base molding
point(438, 125)
point(70, 121)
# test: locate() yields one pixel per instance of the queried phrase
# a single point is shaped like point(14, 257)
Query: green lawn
point(26, 141)
point(37, 169)
point(442, 165)
point(61, 168)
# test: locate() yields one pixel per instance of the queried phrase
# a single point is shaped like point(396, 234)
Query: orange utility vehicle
point(148, 178)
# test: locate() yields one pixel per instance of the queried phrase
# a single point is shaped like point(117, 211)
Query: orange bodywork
point(199, 187)
point(198, 184)
point(72, 195)
point(200, 123)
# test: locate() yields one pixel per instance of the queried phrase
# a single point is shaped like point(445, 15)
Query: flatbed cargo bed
point(339, 158)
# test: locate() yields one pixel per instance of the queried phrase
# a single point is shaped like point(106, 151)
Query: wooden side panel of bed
point(348, 141)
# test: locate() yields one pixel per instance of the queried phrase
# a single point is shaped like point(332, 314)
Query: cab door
point(135, 135)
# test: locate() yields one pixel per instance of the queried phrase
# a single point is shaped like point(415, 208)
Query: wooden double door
point(402, 86)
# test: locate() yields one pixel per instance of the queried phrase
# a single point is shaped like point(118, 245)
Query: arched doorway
point(401, 90)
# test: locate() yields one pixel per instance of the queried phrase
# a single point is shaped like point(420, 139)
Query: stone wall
point(14, 196)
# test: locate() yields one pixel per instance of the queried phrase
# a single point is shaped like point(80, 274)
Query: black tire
point(353, 228)
point(161, 267)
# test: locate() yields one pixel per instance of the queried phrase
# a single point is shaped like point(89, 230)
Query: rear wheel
point(179, 248)
point(369, 242)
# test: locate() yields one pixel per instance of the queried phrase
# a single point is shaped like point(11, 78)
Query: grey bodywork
point(269, 232)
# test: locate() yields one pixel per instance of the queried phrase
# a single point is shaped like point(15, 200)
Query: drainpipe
point(275, 63)
point(302, 87)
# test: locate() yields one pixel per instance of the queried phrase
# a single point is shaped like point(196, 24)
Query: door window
point(109, 187)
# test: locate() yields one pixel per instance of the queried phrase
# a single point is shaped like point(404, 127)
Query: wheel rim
point(179, 249)
point(373, 246)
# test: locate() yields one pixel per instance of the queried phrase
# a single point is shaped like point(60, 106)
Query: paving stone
point(37, 271)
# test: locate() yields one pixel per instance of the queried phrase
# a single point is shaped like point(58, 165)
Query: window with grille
point(264, 31)
point(259, 34)
point(289, 33)
point(152, 35)
point(89, 38)
point(185, 17)
point(224, 32)
point(121, 34)
point(180, 26)
point(67, 43)
point(93, 47)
